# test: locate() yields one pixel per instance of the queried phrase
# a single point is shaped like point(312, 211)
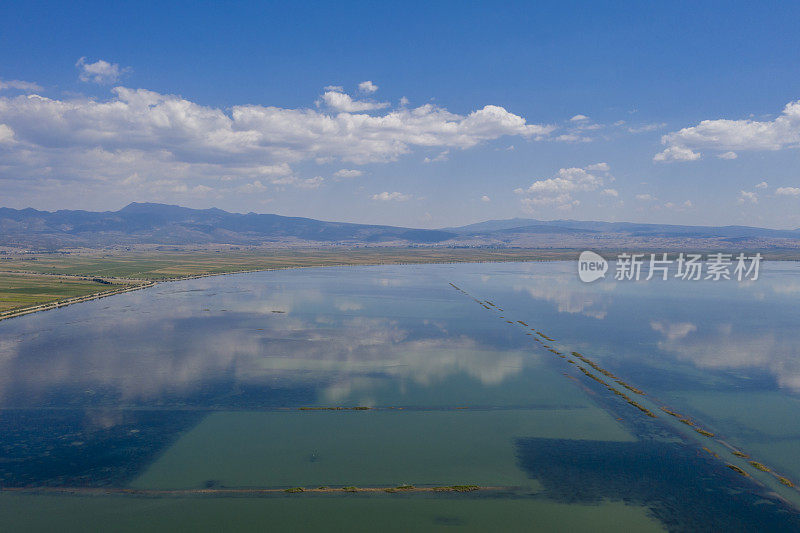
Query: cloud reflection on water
point(175, 346)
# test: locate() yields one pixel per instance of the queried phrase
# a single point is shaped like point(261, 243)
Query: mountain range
point(151, 223)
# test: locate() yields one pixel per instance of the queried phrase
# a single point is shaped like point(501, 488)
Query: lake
point(658, 405)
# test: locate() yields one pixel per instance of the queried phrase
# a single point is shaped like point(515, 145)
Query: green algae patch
point(464, 488)
point(759, 466)
point(737, 470)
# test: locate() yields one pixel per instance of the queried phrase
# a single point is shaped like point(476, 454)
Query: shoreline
point(144, 284)
point(15, 313)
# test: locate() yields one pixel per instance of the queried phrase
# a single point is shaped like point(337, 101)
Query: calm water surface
point(205, 385)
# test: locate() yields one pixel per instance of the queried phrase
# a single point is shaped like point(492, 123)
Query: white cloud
point(572, 137)
point(6, 134)
point(558, 190)
point(151, 135)
point(339, 101)
point(254, 187)
point(485, 198)
point(567, 180)
point(391, 196)
point(100, 71)
point(602, 167)
point(646, 127)
point(20, 85)
point(787, 191)
point(740, 135)
point(645, 197)
point(678, 207)
point(403, 101)
point(727, 155)
point(579, 118)
point(367, 87)
point(294, 181)
point(610, 192)
point(762, 185)
point(442, 156)
point(676, 153)
point(347, 173)
point(337, 88)
point(747, 197)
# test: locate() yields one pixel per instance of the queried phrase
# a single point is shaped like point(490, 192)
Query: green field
point(175, 264)
point(20, 291)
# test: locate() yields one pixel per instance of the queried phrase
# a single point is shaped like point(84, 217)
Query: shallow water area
point(172, 398)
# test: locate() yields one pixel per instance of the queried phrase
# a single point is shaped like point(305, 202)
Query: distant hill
point(633, 228)
point(147, 223)
point(159, 224)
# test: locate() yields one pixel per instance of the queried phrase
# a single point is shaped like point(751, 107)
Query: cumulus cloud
point(747, 197)
point(294, 181)
point(485, 198)
point(348, 173)
point(391, 196)
point(142, 136)
point(676, 153)
point(731, 136)
point(100, 71)
point(602, 167)
point(572, 138)
point(762, 185)
point(20, 85)
point(727, 155)
point(787, 191)
point(367, 87)
point(645, 197)
point(679, 207)
point(610, 192)
point(558, 191)
point(339, 101)
point(579, 118)
point(6, 134)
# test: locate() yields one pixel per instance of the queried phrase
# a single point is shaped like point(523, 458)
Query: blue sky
point(669, 112)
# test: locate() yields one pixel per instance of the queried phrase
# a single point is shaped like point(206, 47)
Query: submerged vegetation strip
point(221, 491)
point(355, 408)
point(621, 394)
point(693, 425)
